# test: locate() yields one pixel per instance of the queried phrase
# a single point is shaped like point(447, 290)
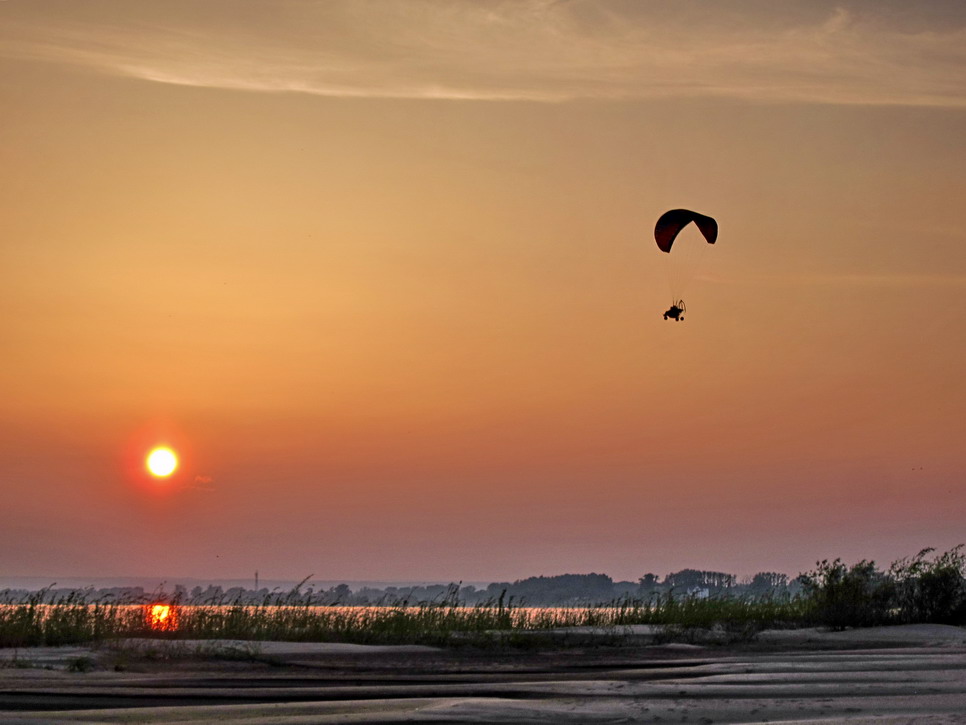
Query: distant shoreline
point(36, 583)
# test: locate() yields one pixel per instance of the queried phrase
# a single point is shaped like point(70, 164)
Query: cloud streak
point(201, 482)
point(531, 50)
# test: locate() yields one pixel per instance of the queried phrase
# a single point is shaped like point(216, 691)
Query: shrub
point(839, 596)
point(931, 591)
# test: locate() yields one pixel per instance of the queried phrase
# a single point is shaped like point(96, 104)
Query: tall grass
point(76, 619)
point(72, 619)
point(834, 595)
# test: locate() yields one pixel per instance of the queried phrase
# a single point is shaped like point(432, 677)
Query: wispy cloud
point(202, 483)
point(534, 50)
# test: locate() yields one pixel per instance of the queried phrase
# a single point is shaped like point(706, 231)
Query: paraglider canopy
point(672, 222)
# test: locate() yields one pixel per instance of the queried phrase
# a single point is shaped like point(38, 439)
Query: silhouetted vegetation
point(916, 590)
point(539, 591)
point(841, 596)
point(923, 588)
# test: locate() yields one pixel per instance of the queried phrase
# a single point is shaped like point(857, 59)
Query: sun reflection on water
point(162, 617)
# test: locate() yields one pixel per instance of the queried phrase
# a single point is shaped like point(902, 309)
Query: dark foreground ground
point(892, 675)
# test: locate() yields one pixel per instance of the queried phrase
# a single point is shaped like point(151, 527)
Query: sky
point(382, 272)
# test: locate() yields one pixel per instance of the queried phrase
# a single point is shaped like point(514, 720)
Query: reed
point(920, 589)
point(77, 619)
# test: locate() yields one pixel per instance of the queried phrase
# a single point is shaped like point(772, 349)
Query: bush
point(931, 591)
point(839, 596)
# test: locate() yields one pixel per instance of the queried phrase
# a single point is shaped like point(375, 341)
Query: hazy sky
point(383, 273)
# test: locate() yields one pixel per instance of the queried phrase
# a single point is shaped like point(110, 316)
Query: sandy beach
point(893, 675)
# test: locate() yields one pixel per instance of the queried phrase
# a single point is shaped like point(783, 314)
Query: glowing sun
point(162, 617)
point(161, 462)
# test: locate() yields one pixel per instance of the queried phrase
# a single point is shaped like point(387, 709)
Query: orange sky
point(384, 273)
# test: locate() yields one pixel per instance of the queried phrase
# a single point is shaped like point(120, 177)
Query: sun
point(161, 462)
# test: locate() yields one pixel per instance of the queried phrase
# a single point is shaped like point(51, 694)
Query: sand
point(883, 675)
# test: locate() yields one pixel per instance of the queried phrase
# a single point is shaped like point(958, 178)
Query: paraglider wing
point(672, 222)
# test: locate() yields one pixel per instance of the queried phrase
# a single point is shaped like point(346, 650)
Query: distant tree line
point(559, 590)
